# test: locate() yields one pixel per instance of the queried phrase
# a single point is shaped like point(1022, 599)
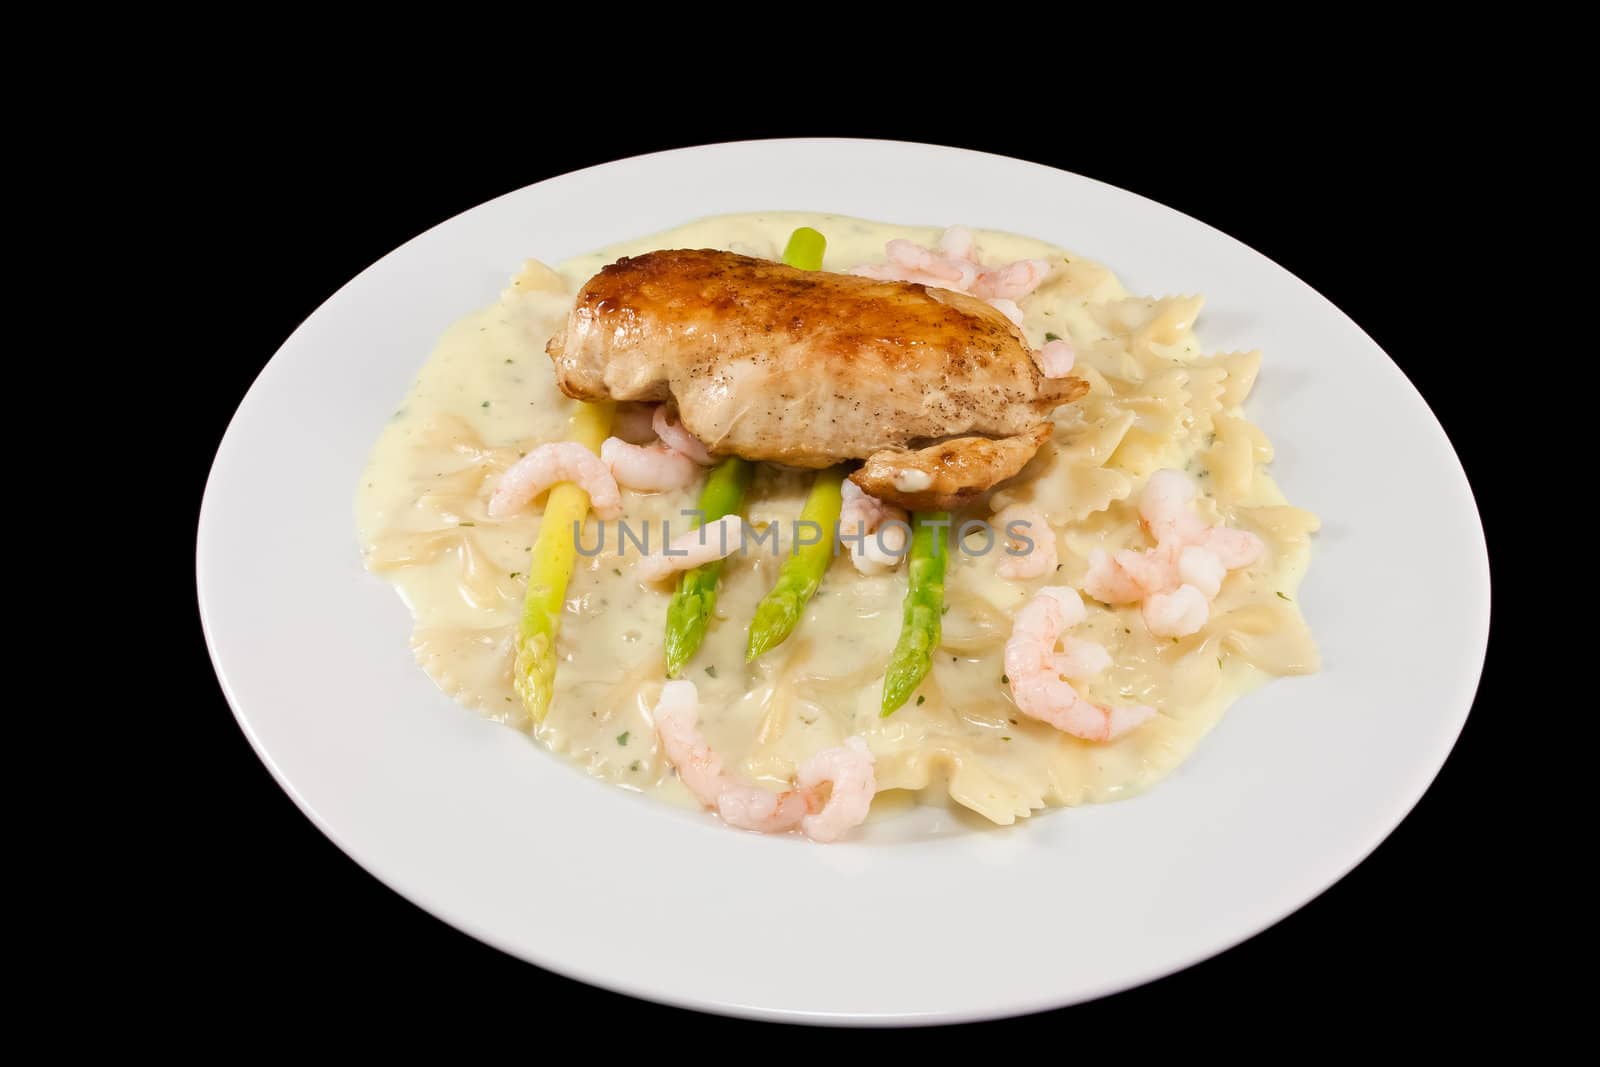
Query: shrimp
point(675, 437)
point(1040, 677)
point(1056, 358)
point(954, 265)
point(1176, 614)
point(880, 551)
point(560, 461)
point(1189, 555)
point(650, 468)
point(1234, 548)
point(1012, 281)
point(749, 807)
point(916, 259)
point(1202, 569)
point(874, 548)
point(910, 262)
point(713, 541)
point(677, 718)
point(848, 767)
point(1166, 508)
point(957, 242)
point(1040, 558)
point(1129, 576)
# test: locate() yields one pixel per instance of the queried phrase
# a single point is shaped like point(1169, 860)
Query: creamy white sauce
point(487, 395)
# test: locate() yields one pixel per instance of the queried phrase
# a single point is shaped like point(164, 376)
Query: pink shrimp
point(1013, 281)
point(958, 242)
point(650, 468)
point(954, 265)
point(1040, 677)
point(848, 767)
point(1179, 577)
point(1234, 548)
point(880, 551)
point(1128, 576)
point(560, 461)
point(914, 258)
point(1040, 557)
point(859, 506)
point(675, 437)
point(1056, 358)
point(749, 807)
point(1202, 568)
point(879, 548)
point(714, 540)
point(910, 262)
point(1182, 611)
point(1176, 614)
point(1166, 508)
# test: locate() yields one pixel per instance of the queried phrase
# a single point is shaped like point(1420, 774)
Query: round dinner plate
point(924, 917)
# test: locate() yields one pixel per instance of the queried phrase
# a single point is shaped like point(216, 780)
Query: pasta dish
point(801, 519)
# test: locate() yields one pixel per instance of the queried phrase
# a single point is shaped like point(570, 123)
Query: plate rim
point(1421, 779)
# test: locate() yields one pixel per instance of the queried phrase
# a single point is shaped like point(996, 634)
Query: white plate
point(486, 830)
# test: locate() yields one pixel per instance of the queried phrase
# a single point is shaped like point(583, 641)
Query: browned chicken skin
point(809, 369)
point(950, 473)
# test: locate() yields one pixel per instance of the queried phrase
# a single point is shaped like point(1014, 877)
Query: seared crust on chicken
point(806, 368)
point(950, 473)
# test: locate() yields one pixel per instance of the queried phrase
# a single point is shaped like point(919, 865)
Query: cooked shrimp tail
point(1182, 574)
point(704, 544)
point(1039, 675)
point(873, 532)
point(560, 461)
point(648, 468)
point(847, 768)
point(675, 437)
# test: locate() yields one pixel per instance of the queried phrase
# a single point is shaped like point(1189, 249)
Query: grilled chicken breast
point(809, 369)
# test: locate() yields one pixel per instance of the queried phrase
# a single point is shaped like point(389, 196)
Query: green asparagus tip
point(690, 610)
point(920, 626)
point(805, 249)
point(778, 613)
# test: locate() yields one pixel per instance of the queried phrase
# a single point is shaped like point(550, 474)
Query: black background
point(1380, 207)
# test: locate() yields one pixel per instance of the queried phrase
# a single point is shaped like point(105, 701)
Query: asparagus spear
point(723, 495)
point(696, 596)
point(779, 611)
point(550, 569)
point(805, 249)
point(919, 628)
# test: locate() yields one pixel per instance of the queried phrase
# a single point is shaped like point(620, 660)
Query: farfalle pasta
point(1156, 400)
